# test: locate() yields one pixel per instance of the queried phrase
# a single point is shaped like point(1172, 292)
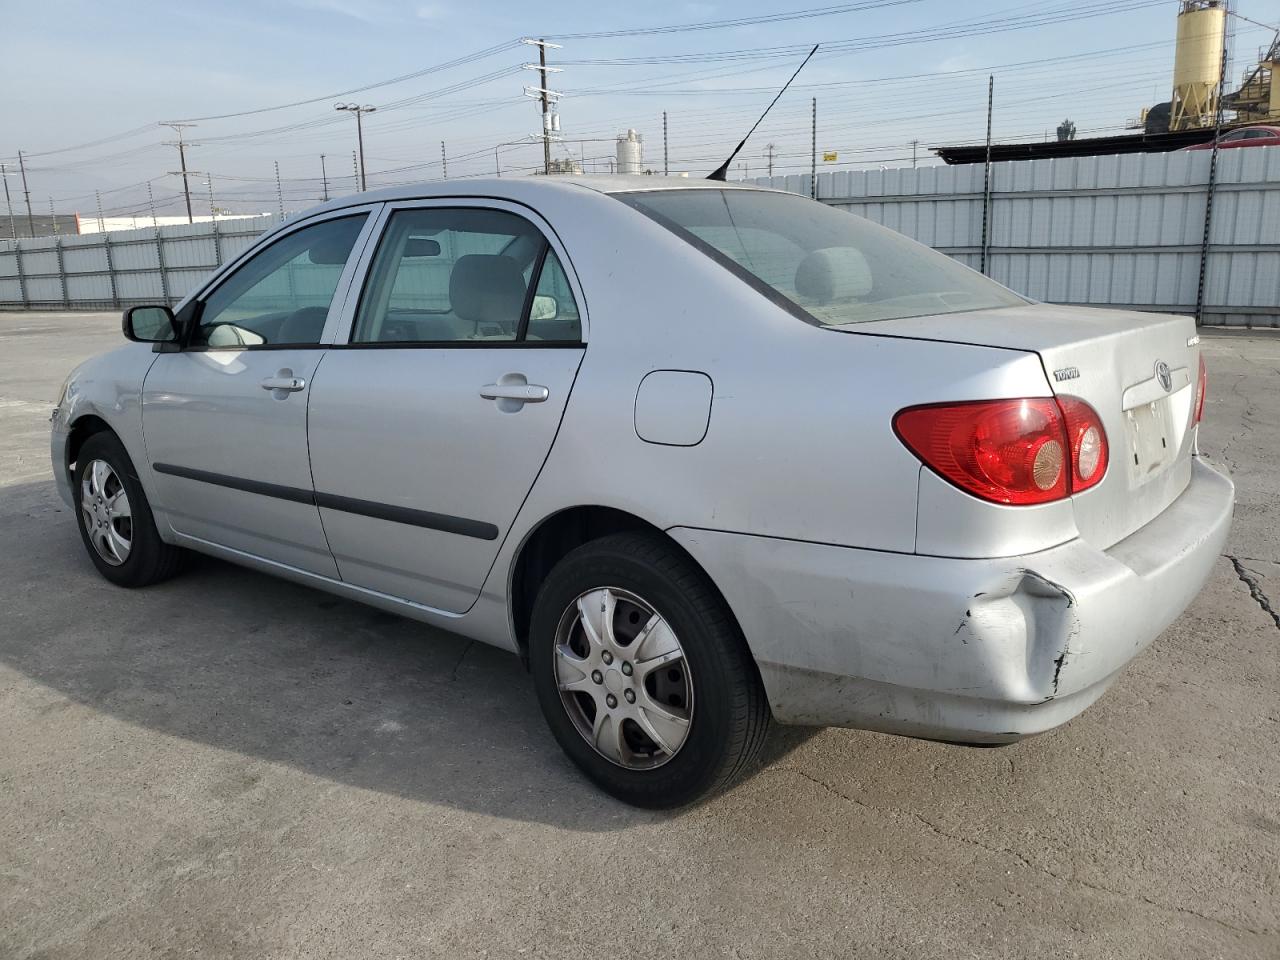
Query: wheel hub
point(623, 678)
point(106, 513)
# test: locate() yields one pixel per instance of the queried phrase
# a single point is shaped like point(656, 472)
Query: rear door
point(225, 419)
point(430, 423)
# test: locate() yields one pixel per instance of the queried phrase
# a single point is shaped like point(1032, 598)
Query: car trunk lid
point(1137, 370)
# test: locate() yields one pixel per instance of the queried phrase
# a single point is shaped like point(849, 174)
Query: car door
point(430, 424)
point(225, 418)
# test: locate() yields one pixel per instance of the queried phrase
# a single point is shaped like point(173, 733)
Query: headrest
point(487, 288)
point(833, 273)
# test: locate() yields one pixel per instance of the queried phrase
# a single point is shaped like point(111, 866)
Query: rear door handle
point(519, 392)
point(287, 384)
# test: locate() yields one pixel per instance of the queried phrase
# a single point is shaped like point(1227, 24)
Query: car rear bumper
point(980, 651)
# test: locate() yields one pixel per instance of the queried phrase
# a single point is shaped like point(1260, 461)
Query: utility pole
point(8, 204)
point(53, 217)
point(813, 153)
point(546, 109)
point(544, 95)
point(182, 161)
point(915, 144)
point(986, 177)
point(102, 223)
point(444, 161)
point(359, 111)
point(496, 166)
point(324, 177)
point(31, 220)
point(279, 192)
point(768, 152)
point(355, 173)
point(666, 169)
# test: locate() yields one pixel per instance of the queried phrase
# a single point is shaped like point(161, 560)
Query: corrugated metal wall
point(124, 267)
point(1103, 231)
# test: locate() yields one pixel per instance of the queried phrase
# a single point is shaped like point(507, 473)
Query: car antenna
point(721, 172)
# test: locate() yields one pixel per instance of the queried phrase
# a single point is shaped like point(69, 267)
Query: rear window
point(828, 266)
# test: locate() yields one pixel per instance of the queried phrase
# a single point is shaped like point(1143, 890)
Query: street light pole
point(359, 111)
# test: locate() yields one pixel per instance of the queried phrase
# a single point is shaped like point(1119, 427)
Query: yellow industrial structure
point(1197, 63)
point(1198, 76)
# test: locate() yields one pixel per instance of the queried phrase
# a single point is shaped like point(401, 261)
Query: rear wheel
point(115, 519)
point(642, 673)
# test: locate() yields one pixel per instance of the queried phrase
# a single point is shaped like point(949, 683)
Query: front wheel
point(642, 673)
point(115, 519)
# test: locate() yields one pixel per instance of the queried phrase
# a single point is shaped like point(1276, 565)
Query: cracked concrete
point(231, 766)
point(1253, 579)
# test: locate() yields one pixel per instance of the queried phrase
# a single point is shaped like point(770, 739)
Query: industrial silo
point(630, 152)
point(1197, 63)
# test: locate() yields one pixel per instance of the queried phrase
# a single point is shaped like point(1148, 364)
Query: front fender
point(106, 388)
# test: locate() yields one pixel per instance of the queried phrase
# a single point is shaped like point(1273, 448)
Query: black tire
point(149, 560)
point(730, 716)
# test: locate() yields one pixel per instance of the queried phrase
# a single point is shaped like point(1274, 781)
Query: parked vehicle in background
point(1260, 136)
point(705, 456)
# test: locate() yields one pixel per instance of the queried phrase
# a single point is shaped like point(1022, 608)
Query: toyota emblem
point(1164, 376)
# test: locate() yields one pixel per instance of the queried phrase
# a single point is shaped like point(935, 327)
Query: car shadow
point(247, 663)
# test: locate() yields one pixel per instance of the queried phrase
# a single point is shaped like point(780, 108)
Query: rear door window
point(464, 275)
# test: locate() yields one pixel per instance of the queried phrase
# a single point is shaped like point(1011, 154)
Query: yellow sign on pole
point(829, 156)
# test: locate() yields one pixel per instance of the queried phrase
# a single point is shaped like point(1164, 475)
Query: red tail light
point(1017, 452)
point(1202, 388)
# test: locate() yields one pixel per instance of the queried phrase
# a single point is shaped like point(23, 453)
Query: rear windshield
point(828, 266)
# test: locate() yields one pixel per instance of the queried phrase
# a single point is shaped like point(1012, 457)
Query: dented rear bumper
point(982, 651)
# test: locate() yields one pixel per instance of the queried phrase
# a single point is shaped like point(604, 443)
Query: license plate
point(1152, 444)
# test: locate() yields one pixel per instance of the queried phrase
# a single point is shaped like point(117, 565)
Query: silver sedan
point(706, 457)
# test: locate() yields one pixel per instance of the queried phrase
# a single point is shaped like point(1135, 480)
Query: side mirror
point(150, 324)
point(544, 308)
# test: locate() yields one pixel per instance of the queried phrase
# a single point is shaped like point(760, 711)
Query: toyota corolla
point(707, 457)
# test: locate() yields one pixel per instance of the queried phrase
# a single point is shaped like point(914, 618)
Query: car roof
point(528, 188)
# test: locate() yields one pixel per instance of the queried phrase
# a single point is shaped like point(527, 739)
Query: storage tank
point(630, 152)
point(1197, 63)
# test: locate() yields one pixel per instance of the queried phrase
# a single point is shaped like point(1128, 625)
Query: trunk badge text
point(1164, 375)
point(1066, 373)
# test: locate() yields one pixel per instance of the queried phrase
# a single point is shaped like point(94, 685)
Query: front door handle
point(287, 384)
point(519, 392)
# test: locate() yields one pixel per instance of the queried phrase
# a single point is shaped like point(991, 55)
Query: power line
point(737, 21)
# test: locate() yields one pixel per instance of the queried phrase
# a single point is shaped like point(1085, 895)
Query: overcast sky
point(891, 72)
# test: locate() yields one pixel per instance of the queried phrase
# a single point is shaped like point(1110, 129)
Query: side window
point(445, 275)
point(553, 315)
point(282, 294)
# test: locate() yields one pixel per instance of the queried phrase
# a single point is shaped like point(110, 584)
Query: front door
point(225, 419)
point(429, 427)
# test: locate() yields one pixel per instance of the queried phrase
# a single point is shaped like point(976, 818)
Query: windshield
point(829, 266)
